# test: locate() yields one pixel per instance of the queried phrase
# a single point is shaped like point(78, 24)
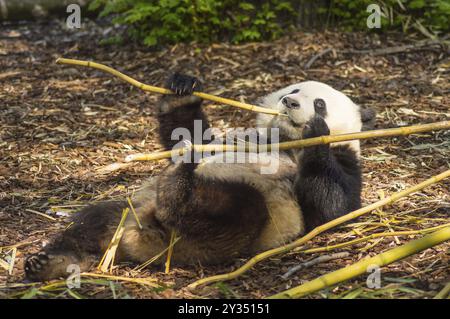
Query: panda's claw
point(182, 84)
point(45, 266)
point(37, 261)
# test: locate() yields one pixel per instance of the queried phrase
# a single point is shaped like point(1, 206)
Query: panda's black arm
point(328, 188)
point(180, 115)
point(328, 183)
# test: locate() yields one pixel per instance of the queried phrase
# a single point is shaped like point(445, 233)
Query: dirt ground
point(61, 125)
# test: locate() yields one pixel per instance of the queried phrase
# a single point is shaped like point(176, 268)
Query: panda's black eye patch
point(320, 107)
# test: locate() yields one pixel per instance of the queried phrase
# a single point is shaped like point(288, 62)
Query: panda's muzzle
point(290, 103)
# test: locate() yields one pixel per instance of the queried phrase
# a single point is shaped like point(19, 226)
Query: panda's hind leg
point(46, 266)
point(79, 245)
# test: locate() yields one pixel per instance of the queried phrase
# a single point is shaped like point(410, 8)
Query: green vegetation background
point(171, 21)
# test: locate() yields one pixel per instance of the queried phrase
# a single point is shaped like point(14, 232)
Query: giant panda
point(224, 210)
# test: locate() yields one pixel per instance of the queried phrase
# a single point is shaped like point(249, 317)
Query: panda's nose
point(290, 103)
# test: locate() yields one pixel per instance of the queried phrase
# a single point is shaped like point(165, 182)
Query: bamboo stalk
point(400, 131)
point(361, 266)
point(12, 260)
point(444, 292)
point(143, 281)
point(148, 281)
point(170, 252)
point(372, 236)
point(318, 230)
point(160, 90)
point(107, 260)
point(4, 264)
point(156, 257)
point(134, 213)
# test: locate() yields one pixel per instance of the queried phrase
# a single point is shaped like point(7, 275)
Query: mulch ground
point(61, 125)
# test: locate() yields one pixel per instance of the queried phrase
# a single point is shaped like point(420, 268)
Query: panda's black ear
point(368, 116)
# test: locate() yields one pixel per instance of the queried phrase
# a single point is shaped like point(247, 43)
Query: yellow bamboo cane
point(399, 131)
point(160, 90)
point(369, 237)
point(143, 281)
point(170, 251)
point(444, 292)
point(361, 266)
point(318, 230)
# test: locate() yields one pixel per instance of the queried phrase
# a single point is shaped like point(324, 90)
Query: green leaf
point(353, 294)
point(150, 40)
point(31, 293)
point(416, 4)
point(246, 6)
point(400, 280)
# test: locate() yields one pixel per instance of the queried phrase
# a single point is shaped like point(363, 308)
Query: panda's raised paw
point(316, 127)
point(182, 84)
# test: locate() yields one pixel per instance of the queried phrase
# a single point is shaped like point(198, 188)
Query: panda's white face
point(300, 102)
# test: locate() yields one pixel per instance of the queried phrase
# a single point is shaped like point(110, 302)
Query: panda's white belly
point(285, 221)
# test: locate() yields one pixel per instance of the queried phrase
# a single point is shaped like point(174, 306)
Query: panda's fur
point(342, 115)
point(219, 210)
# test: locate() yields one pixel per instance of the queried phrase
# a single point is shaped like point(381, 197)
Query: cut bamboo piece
point(361, 266)
point(170, 251)
point(134, 212)
point(327, 139)
point(445, 292)
point(107, 260)
point(318, 230)
point(160, 90)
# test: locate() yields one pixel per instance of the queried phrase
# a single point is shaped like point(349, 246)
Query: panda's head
point(300, 102)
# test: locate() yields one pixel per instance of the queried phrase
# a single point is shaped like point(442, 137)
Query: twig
point(421, 45)
point(40, 214)
point(20, 244)
point(8, 74)
point(160, 90)
point(112, 168)
point(318, 230)
point(406, 130)
point(315, 261)
point(361, 266)
point(156, 257)
point(317, 56)
point(143, 281)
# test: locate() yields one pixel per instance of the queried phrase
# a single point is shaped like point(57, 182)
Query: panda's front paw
point(316, 127)
point(182, 84)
